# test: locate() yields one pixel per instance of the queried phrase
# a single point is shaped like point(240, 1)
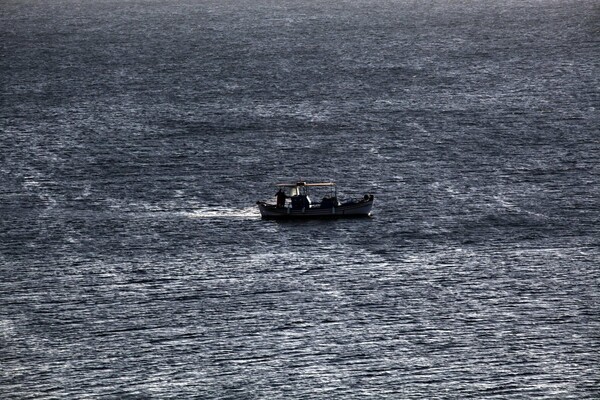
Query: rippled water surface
point(136, 137)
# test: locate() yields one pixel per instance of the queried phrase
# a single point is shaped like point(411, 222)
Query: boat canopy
point(304, 184)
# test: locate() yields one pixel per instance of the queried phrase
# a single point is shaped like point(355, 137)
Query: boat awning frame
point(305, 184)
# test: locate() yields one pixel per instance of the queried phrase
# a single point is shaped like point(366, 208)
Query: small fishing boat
point(294, 202)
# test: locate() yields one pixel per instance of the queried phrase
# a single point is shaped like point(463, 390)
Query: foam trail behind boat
point(224, 212)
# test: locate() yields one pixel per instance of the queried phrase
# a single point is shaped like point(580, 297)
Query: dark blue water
point(136, 137)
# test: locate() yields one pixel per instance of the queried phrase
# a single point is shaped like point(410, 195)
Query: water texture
point(136, 137)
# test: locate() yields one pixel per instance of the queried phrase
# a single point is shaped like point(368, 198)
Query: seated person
point(329, 202)
point(300, 202)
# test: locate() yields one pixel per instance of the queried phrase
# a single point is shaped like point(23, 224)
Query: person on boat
point(280, 198)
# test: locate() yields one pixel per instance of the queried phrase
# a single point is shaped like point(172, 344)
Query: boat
point(294, 202)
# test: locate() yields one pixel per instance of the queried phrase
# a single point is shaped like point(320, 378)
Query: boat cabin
point(299, 194)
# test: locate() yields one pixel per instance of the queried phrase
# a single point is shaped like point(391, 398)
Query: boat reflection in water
point(294, 202)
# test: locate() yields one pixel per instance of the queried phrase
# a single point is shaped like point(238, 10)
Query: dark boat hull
point(351, 210)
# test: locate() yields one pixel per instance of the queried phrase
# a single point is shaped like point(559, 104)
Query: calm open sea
point(137, 135)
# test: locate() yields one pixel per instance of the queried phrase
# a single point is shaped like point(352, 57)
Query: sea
point(136, 137)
